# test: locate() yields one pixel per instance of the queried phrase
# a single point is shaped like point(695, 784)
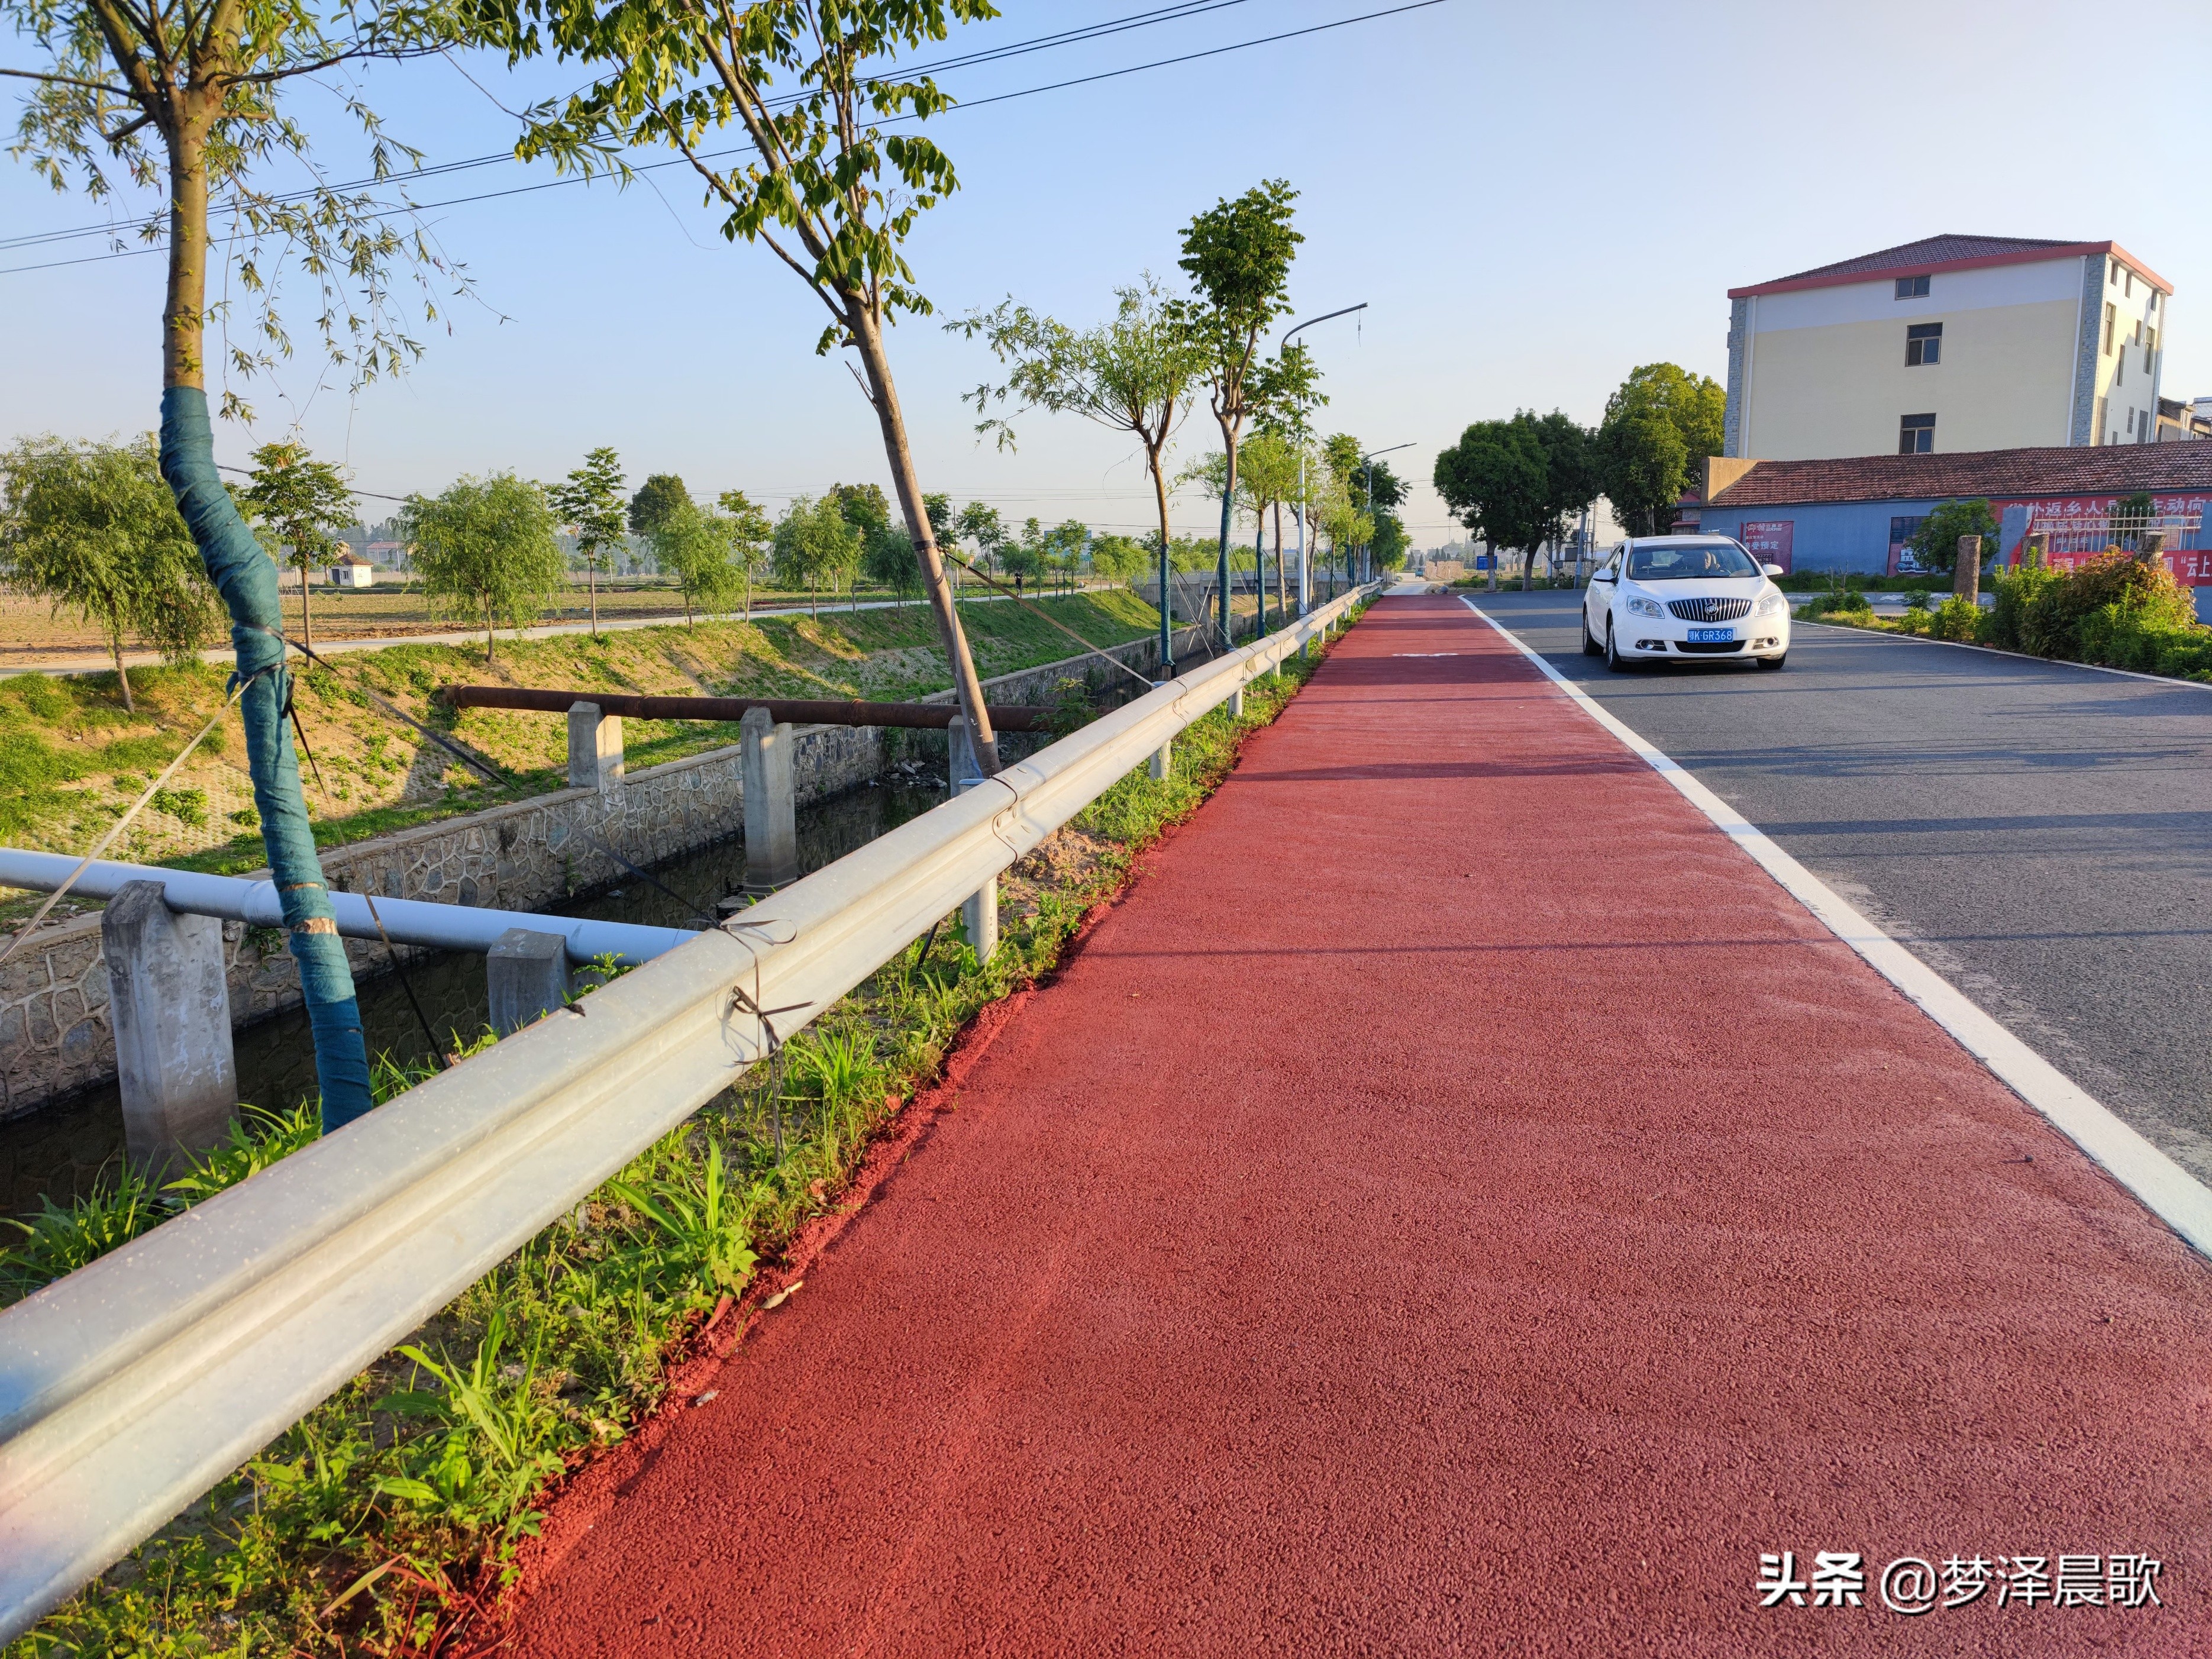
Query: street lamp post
point(1366, 466)
point(1305, 576)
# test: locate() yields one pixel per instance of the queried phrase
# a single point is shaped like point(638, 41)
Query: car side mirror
point(1773, 570)
point(1602, 576)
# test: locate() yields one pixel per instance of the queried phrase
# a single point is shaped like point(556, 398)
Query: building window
point(1916, 434)
point(2112, 274)
point(1923, 343)
point(2110, 315)
point(1912, 288)
point(2131, 423)
point(2128, 285)
point(2097, 430)
point(2151, 305)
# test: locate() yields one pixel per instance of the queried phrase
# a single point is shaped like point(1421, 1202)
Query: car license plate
point(1712, 636)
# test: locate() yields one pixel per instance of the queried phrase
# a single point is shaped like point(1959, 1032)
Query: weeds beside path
point(389, 1517)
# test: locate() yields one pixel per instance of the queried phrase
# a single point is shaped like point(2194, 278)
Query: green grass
point(373, 1524)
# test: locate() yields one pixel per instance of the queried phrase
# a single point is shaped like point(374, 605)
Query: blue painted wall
point(1840, 536)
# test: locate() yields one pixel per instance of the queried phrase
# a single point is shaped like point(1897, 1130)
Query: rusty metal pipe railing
point(798, 711)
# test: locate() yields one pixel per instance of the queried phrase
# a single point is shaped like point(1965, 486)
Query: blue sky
point(1532, 200)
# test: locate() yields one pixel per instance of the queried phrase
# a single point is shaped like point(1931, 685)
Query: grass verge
point(385, 1520)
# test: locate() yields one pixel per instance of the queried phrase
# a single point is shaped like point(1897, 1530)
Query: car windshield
point(1673, 564)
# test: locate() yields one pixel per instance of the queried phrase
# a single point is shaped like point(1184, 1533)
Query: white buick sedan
point(1684, 599)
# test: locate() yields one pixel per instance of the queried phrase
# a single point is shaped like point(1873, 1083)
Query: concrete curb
point(2169, 1191)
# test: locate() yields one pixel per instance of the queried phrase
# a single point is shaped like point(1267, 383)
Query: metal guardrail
point(133, 1385)
point(404, 921)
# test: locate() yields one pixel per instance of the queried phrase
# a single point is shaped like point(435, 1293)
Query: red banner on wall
point(1768, 540)
point(2065, 519)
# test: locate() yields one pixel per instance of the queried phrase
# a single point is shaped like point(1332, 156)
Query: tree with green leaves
point(981, 524)
point(1137, 374)
point(658, 501)
point(192, 99)
point(751, 537)
point(1237, 255)
point(487, 546)
point(304, 503)
point(1496, 480)
point(832, 196)
point(1658, 426)
point(887, 560)
point(815, 543)
point(696, 547)
point(1118, 558)
point(1935, 545)
point(590, 500)
point(92, 527)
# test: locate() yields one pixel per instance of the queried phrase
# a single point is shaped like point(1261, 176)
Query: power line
point(654, 166)
point(1176, 13)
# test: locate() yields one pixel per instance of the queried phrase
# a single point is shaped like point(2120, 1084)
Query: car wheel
point(1614, 659)
point(1590, 646)
point(1771, 662)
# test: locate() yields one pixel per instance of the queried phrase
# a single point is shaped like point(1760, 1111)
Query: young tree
point(304, 503)
point(696, 547)
point(1137, 374)
point(1118, 558)
point(751, 536)
point(590, 500)
point(982, 525)
point(487, 545)
point(1237, 255)
point(93, 527)
point(1660, 423)
point(812, 184)
point(208, 83)
point(814, 541)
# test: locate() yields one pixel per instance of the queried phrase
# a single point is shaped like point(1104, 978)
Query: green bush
point(1839, 601)
point(1958, 619)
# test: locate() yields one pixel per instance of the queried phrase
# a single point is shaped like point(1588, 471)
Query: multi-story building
point(1947, 344)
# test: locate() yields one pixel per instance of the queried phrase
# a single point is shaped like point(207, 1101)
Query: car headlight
point(1774, 604)
point(1640, 606)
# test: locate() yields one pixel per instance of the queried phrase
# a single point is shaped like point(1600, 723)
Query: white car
point(1684, 599)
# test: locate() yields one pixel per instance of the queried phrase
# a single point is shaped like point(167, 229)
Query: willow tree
point(827, 192)
point(1137, 374)
point(187, 97)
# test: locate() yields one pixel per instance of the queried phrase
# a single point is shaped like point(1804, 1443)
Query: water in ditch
point(55, 1152)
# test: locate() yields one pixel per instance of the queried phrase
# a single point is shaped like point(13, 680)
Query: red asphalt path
point(1457, 1204)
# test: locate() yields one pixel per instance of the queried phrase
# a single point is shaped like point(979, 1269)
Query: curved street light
point(1305, 577)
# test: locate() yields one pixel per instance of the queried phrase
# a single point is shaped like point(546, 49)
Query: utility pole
point(1305, 575)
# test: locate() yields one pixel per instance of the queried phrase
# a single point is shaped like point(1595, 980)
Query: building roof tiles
point(2111, 470)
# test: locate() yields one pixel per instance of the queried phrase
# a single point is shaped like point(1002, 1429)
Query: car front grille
point(1705, 648)
point(1710, 609)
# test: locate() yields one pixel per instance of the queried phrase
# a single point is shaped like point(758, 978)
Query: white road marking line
point(2169, 1191)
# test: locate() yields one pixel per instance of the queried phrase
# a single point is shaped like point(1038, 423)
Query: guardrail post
point(1163, 760)
point(169, 1003)
point(771, 804)
point(979, 911)
point(528, 974)
point(1237, 704)
point(595, 748)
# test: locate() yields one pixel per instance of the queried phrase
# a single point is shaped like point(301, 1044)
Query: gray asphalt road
point(2039, 835)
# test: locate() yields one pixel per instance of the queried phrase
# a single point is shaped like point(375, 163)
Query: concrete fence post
point(2153, 546)
point(528, 975)
point(595, 748)
point(1966, 572)
point(771, 803)
point(2035, 549)
point(169, 1003)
